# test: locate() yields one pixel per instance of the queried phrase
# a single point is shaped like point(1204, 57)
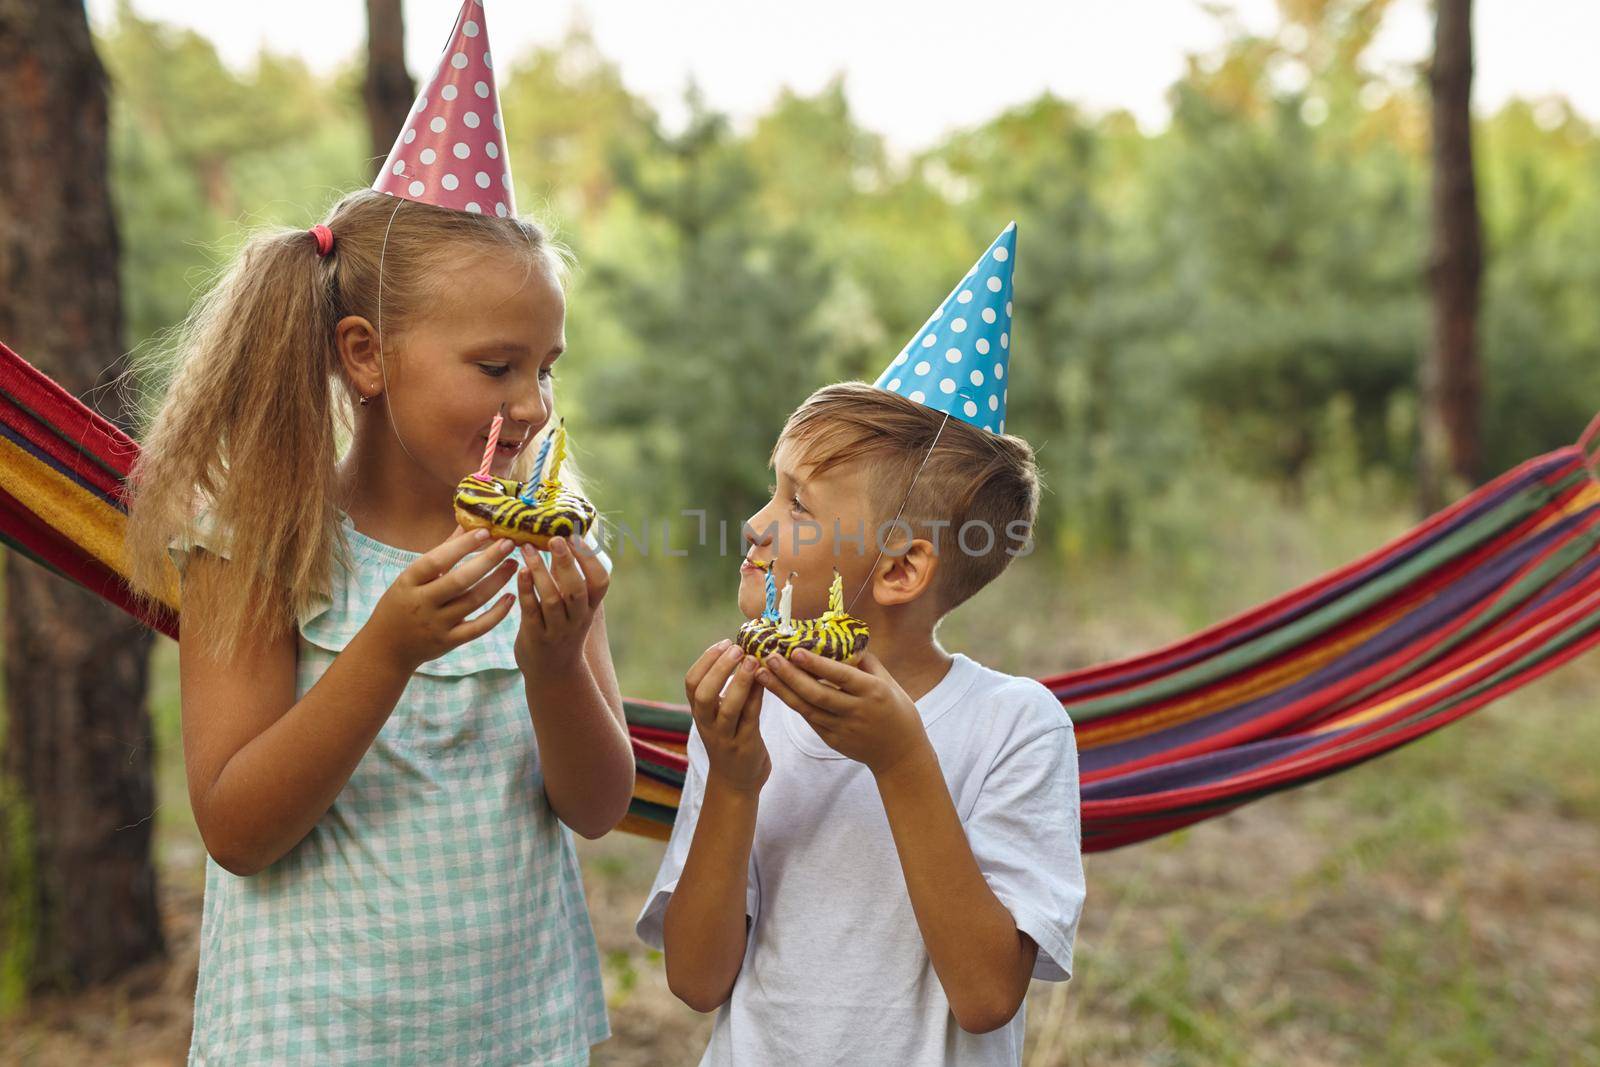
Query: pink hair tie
point(324, 238)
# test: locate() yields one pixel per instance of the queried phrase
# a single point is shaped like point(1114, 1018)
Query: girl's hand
point(558, 604)
point(859, 712)
point(424, 613)
point(729, 720)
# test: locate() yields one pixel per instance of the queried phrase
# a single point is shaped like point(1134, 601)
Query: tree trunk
point(1451, 379)
point(389, 90)
point(75, 766)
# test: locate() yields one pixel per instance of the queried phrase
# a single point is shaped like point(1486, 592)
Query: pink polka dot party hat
point(452, 151)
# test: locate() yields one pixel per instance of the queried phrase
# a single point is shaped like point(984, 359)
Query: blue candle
point(531, 486)
point(771, 612)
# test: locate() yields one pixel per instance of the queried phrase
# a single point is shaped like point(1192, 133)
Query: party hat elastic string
point(929, 455)
point(383, 364)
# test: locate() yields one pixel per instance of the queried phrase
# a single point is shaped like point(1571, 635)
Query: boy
point(871, 861)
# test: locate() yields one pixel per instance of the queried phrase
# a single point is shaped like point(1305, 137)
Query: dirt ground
point(1395, 915)
point(1437, 906)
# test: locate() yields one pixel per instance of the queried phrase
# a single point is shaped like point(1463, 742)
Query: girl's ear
point(357, 342)
point(903, 578)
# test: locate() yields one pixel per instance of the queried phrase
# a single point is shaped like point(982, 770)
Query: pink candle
point(494, 441)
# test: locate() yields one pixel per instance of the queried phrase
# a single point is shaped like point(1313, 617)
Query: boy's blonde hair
point(248, 430)
point(971, 477)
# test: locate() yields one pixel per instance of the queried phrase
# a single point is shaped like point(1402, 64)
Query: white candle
point(785, 599)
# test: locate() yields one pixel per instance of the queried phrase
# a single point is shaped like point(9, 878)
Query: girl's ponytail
point(241, 455)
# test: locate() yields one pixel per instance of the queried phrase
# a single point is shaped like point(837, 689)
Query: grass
point(1436, 906)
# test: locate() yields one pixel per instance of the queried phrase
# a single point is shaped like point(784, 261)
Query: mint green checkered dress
point(435, 914)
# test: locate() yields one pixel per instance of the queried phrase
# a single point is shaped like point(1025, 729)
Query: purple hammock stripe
point(1536, 472)
point(45, 458)
point(1424, 619)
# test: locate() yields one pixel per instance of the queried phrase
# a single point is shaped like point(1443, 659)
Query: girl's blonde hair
point(249, 429)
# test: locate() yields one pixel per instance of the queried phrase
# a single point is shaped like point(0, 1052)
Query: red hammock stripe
point(1299, 771)
point(1495, 591)
point(1109, 728)
point(1274, 613)
point(1267, 724)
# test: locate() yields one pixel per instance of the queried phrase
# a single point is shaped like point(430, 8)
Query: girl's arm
point(264, 767)
point(584, 750)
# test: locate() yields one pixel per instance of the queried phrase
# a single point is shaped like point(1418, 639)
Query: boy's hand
point(558, 604)
point(860, 712)
point(729, 720)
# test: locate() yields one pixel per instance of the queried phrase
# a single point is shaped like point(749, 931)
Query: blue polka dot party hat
point(959, 361)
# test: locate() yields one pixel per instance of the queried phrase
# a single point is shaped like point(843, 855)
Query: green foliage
point(1541, 321)
point(1092, 331)
point(1240, 294)
point(200, 153)
point(568, 113)
point(720, 310)
point(1211, 318)
point(18, 902)
point(1300, 269)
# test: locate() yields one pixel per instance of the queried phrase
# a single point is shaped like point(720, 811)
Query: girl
point(381, 776)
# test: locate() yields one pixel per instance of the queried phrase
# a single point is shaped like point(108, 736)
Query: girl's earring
point(365, 400)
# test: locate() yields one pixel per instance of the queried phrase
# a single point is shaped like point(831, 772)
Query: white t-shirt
point(834, 969)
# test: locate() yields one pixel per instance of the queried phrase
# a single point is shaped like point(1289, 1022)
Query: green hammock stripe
point(76, 446)
point(1550, 647)
point(659, 772)
point(658, 717)
point(1291, 635)
point(1505, 602)
point(660, 813)
point(1581, 629)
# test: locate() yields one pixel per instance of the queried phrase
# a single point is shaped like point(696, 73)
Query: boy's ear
point(357, 341)
point(903, 578)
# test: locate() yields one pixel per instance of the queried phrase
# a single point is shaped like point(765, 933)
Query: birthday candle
point(494, 442)
point(558, 453)
point(530, 488)
point(836, 594)
point(784, 602)
point(771, 611)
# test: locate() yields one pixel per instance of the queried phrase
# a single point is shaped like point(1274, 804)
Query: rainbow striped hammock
point(1479, 600)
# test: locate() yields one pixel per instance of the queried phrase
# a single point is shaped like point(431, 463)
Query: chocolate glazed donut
point(835, 633)
point(494, 503)
point(842, 637)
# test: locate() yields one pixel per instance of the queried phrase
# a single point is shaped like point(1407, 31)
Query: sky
point(915, 69)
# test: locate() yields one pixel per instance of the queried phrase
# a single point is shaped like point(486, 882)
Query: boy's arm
point(705, 927)
point(983, 961)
